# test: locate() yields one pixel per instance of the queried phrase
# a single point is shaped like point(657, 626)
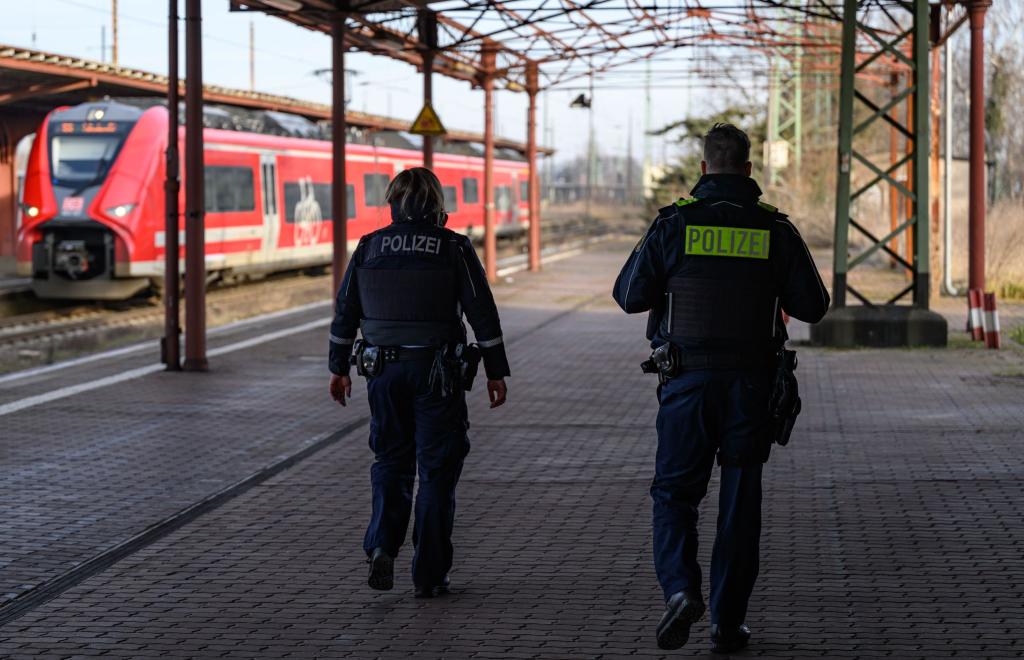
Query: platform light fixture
point(580, 101)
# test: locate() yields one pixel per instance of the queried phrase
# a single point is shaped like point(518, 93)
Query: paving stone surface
point(892, 521)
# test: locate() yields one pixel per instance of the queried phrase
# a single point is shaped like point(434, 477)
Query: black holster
point(785, 399)
point(468, 356)
point(368, 359)
point(664, 361)
point(455, 366)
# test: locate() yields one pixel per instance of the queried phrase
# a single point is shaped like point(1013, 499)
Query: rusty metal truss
point(568, 40)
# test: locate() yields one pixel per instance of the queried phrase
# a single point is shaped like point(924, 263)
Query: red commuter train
point(93, 198)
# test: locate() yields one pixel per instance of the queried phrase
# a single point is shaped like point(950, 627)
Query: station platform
point(149, 514)
point(12, 285)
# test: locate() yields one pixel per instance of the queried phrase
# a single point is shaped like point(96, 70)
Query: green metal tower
point(784, 146)
point(903, 41)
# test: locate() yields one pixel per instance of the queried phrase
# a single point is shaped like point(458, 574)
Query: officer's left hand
point(497, 391)
point(340, 387)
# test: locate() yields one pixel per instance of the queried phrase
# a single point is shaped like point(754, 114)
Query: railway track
point(44, 337)
point(78, 321)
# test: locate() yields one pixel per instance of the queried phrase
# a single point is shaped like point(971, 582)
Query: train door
point(271, 212)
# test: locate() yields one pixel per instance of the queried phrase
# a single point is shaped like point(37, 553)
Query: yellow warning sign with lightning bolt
point(427, 123)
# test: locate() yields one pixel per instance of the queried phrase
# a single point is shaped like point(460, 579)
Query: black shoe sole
point(433, 592)
point(674, 630)
point(382, 573)
point(730, 647)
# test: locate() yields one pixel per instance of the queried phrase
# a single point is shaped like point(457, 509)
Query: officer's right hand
point(340, 387)
point(497, 390)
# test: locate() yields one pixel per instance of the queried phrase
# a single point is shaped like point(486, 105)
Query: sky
point(288, 56)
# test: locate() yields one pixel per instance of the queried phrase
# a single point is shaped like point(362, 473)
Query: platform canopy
point(34, 82)
point(567, 39)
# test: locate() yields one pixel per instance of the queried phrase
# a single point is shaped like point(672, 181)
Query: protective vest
point(408, 289)
point(722, 296)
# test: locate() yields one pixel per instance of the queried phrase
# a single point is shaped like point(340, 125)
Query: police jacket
point(716, 271)
point(409, 284)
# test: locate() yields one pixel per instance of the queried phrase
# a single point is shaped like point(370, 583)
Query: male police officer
point(715, 272)
point(406, 288)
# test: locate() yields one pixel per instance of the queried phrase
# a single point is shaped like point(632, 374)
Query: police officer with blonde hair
point(715, 273)
point(406, 289)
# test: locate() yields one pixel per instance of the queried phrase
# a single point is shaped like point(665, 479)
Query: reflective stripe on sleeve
point(490, 342)
point(344, 341)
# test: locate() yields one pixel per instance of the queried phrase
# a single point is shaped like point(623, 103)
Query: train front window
point(82, 158)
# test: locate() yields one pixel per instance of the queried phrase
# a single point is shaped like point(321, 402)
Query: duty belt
point(369, 360)
point(724, 361)
point(668, 361)
point(404, 354)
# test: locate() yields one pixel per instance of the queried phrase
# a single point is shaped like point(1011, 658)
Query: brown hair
point(726, 149)
point(415, 191)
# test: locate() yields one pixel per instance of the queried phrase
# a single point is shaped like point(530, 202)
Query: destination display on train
point(78, 127)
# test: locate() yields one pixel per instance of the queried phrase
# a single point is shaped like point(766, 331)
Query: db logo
point(72, 206)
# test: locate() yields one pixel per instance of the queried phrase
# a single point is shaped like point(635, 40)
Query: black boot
point(437, 590)
point(681, 611)
point(729, 639)
point(382, 570)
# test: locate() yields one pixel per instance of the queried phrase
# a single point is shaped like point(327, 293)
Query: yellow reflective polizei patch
point(727, 242)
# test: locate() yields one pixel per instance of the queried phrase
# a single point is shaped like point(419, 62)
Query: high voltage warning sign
point(427, 123)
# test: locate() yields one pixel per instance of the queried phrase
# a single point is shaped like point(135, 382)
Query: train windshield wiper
point(101, 173)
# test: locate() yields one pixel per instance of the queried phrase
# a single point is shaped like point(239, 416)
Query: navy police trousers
point(413, 428)
point(703, 413)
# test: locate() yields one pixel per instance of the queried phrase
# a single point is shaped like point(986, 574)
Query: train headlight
point(122, 210)
point(32, 211)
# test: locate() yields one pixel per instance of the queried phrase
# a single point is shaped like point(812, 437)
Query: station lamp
point(580, 101)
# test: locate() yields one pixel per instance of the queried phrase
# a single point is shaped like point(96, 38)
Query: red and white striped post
point(991, 321)
point(974, 322)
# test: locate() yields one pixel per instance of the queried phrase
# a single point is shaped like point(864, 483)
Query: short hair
point(416, 190)
point(726, 148)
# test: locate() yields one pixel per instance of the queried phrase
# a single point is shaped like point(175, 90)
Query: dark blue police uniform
point(407, 287)
point(715, 273)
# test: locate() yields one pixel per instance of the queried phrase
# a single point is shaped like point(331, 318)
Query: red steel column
point(428, 98)
point(976, 209)
point(171, 348)
point(490, 240)
point(531, 160)
point(894, 193)
point(908, 205)
point(339, 189)
point(427, 30)
point(195, 249)
point(935, 176)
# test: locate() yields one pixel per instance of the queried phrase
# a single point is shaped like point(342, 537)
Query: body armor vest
point(722, 298)
point(408, 290)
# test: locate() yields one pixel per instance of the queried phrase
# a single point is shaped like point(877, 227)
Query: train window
point(310, 201)
point(374, 186)
point(229, 188)
point(470, 191)
point(503, 198)
point(524, 191)
point(451, 200)
point(79, 158)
